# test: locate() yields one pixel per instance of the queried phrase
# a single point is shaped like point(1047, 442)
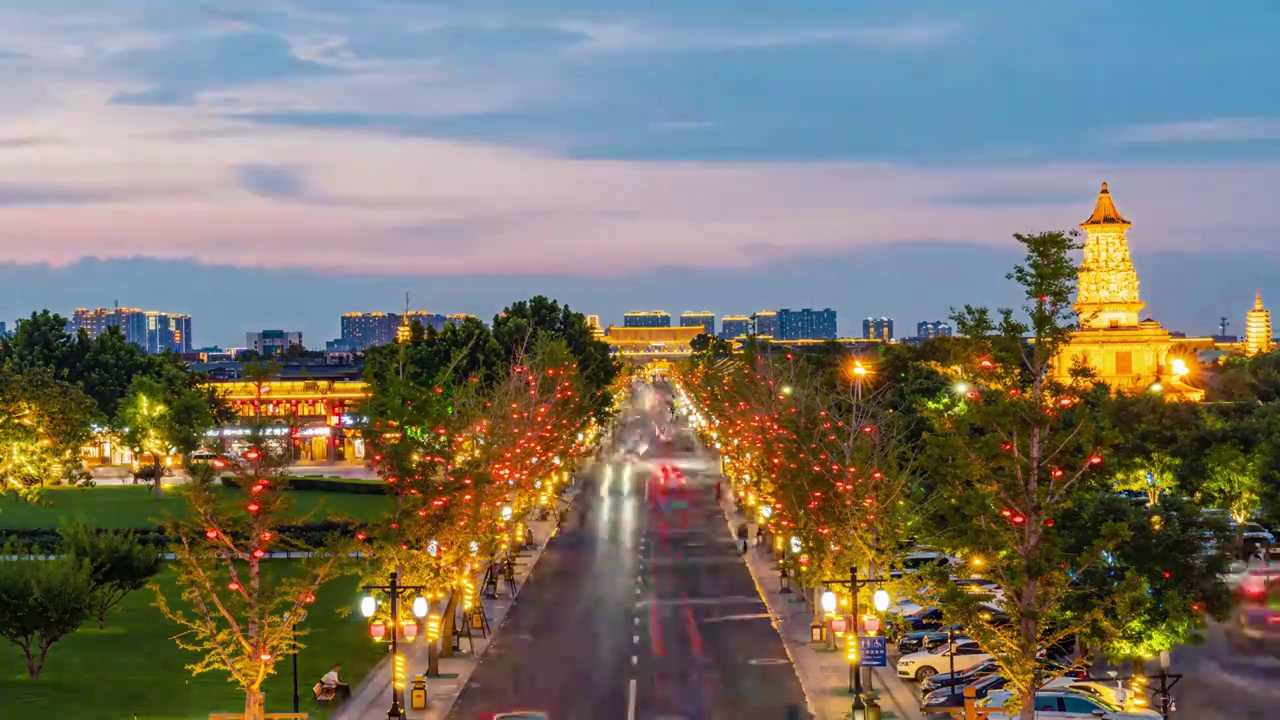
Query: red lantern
point(219, 463)
point(1095, 459)
point(1048, 523)
point(259, 553)
point(252, 455)
point(253, 507)
point(266, 537)
point(377, 630)
point(410, 631)
point(211, 534)
point(233, 585)
point(1019, 519)
point(362, 535)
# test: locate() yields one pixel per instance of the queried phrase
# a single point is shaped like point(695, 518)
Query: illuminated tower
point(1107, 287)
point(1257, 328)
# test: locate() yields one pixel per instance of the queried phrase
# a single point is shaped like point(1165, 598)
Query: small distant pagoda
point(1257, 329)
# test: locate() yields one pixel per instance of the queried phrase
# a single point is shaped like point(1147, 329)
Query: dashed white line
point(634, 660)
point(631, 699)
point(637, 620)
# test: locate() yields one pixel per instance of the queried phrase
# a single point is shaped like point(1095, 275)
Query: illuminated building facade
point(271, 342)
point(932, 329)
point(765, 323)
point(1257, 329)
point(881, 329)
point(646, 319)
point(733, 326)
point(652, 342)
point(361, 331)
point(317, 414)
point(153, 332)
point(705, 319)
point(806, 324)
point(1125, 352)
point(593, 322)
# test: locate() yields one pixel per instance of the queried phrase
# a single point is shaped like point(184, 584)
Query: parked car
point(961, 678)
point(980, 586)
point(924, 665)
point(1066, 704)
point(924, 639)
point(953, 696)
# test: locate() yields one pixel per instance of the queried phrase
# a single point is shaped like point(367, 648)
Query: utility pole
point(1222, 325)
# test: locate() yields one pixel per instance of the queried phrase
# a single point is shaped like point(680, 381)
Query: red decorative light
point(233, 585)
point(265, 656)
point(259, 553)
point(252, 455)
point(1048, 523)
point(395, 526)
point(257, 488)
point(1006, 512)
point(266, 536)
point(410, 631)
point(211, 534)
point(377, 630)
point(219, 463)
point(867, 429)
point(1057, 472)
point(253, 507)
point(362, 535)
point(986, 364)
point(310, 598)
point(1095, 459)
point(1167, 574)
point(1019, 519)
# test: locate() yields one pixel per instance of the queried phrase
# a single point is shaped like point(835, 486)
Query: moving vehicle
point(1255, 623)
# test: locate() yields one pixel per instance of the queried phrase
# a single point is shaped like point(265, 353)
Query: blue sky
point(547, 145)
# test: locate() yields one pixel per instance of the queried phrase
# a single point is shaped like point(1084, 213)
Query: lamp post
point(829, 611)
point(293, 628)
point(864, 708)
point(368, 605)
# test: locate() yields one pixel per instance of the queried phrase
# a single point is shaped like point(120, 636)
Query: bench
point(324, 694)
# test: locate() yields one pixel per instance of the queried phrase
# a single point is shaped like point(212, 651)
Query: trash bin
point(418, 693)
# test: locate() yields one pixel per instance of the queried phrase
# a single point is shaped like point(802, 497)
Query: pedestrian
point(717, 489)
point(742, 538)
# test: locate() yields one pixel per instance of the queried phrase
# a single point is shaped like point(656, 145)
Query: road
point(640, 608)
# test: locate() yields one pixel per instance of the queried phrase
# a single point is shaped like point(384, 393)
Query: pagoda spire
point(1107, 286)
point(1257, 301)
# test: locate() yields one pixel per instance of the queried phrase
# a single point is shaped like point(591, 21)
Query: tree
point(165, 415)
point(1234, 481)
point(1011, 448)
point(118, 563)
point(42, 342)
point(1158, 474)
point(240, 618)
point(44, 423)
point(701, 343)
point(41, 602)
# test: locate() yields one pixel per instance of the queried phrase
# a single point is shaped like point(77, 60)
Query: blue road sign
point(874, 652)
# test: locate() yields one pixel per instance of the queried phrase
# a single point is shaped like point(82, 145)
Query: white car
point(1112, 694)
point(927, 663)
point(1066, 705)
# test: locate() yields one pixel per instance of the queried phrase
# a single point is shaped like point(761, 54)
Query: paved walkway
point(372, 699)
point(824, 674)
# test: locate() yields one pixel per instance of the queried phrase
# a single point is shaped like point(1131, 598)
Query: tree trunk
point(32, 670)
point(158, 477)
point(102, 618)
point(446, 624)
point(253, 704)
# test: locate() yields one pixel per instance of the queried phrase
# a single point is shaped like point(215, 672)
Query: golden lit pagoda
point(1125, 352)
point(1257, 328)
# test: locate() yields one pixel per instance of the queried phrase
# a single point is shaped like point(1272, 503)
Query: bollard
point(418, 694)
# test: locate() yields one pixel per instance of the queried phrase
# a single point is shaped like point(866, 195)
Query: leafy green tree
point(1158, 474)
point(1234, 482)
point(44, 423)
point(41, 602)
point(42, 342)
point(164, 415)
point(701, 343)
point(119, 563)
point(1011, 448)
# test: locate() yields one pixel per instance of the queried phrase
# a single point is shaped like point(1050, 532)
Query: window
point(1074, 704)
point(1124, 363)
point(969, 650)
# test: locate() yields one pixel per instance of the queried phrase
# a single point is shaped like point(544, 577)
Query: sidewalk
point(824, 674)
point(372, 699)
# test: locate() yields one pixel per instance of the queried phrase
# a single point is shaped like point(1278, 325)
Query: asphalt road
point(640, 608)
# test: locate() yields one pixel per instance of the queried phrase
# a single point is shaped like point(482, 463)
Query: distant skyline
point(281, 149)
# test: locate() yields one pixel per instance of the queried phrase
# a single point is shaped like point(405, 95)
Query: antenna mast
point(1222, 325)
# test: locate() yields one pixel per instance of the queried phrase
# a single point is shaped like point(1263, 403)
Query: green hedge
point(46, 541)
point(315, 482)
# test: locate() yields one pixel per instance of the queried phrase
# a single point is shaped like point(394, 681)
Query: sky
point(273, 163)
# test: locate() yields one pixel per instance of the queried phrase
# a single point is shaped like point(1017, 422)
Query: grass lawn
point(130, 506)
point(133, 666)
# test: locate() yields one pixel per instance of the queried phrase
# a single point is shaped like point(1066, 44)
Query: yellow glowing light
point(1179, 367)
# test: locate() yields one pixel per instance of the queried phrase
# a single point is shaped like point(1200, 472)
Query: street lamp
point(302, 615)
point(828, 602)
point(367, 607)
point(864, 708)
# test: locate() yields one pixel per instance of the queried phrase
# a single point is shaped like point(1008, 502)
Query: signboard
point(874, 652)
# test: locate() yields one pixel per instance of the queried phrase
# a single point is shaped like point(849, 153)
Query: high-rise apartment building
point(153, 332)
point(271, 342)
point(706, 319)
point(882, 329)
point(932, 329)
point(361, 331)
point(647, 318)
point(4, 329)
point(765, 323)
point(806, 324)
point(734, 326)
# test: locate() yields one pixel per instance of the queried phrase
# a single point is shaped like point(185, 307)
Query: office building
point(806, 324)
point(765, 323)
point(4, 329)
point(646, 319)
point(153, 332)
point(706, 319)
point(934, 329)
point(272, 342)
point(734, 326)
point(882, 329)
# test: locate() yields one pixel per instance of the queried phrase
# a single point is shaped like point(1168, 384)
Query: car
point(929, 620)
point(953, 696)
point(979, 586)
point(961, 678)
point(924, 639)
point(1255, 622)
point(924, 665)
point(1112, 694)
point(924, 558)
point(518, 715)
point(1064, 705)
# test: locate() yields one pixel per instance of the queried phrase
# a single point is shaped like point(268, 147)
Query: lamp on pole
point(864, 708)
point(368, 605)
point(293, 628)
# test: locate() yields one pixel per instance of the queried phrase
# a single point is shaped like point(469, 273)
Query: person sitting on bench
point(331, 683)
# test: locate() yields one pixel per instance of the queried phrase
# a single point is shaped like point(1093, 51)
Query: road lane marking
point(631, 699)
point(727, 618)
point(635, 639)
point(769, 661)
point(634, 659)
point(637, 619)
